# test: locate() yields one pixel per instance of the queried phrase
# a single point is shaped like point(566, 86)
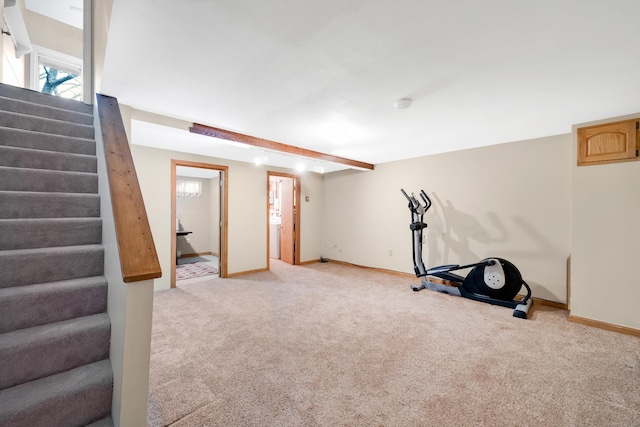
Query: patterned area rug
point(196, 269)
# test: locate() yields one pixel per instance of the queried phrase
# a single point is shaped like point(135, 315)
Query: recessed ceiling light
point(261, 160)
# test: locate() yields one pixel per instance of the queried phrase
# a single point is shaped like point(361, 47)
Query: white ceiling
point(324, 75)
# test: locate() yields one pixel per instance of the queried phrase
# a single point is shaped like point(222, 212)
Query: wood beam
point(276, 146)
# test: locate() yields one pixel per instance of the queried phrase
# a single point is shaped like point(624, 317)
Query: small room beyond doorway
point(197, 224)
point(284, 217)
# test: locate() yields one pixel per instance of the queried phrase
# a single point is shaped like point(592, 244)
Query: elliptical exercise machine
point(493, 280)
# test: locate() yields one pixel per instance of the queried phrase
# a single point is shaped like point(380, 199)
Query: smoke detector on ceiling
point(403, 103)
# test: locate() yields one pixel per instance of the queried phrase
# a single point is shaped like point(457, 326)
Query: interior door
point(287, 223)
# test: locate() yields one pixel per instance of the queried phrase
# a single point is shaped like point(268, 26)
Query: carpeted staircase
point(54, 329)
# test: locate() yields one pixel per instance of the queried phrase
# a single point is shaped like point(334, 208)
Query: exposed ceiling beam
point(276, 146)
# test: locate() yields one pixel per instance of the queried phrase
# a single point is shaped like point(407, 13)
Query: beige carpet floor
point(333, 345)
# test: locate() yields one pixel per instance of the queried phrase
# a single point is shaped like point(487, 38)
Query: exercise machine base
point(519, 310)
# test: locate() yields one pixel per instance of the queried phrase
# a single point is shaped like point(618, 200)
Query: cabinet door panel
point(611, 142)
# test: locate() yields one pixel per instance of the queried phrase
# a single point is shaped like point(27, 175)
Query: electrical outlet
point(390, 252)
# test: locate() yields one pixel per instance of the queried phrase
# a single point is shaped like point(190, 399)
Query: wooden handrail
point(138, 256)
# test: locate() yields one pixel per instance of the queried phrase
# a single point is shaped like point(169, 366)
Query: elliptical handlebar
point(427, 200)
point(415, 205)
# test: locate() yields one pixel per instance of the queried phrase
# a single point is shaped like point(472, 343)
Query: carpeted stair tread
point(33, 353)
point(31, 266)
point(47, 160)
point(49, 232)
point(23, 179)
point(39, 110)
point(15, 204)
point(46, 141)
point(54, 329)
point(42, 303)
point(29, 95)
point(73, 398)
point(41, 124)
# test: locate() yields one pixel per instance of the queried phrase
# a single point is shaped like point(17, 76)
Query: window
point(188, 188)
point(56, 73)
point(59, 82)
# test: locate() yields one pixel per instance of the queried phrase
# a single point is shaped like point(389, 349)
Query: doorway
point(283, 217)
point(198, 217)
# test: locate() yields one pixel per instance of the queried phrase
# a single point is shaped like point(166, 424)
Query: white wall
point(606, 240)
point(247, 210)
point(52, 34)
point(13, 69)
point(100, 26)
point(311, 216)
point(246, 198)
point(510, 200)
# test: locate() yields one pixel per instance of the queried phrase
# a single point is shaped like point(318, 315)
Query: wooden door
point(287, 223)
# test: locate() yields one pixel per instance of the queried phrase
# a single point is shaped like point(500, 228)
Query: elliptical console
point(493, 280)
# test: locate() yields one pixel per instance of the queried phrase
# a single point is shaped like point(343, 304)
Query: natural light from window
point(59, 82)
point(189, 189)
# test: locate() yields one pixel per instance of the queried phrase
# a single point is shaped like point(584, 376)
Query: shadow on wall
point(542, 249)
point(183, 246)
point(452, 232)
point(457, 230)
